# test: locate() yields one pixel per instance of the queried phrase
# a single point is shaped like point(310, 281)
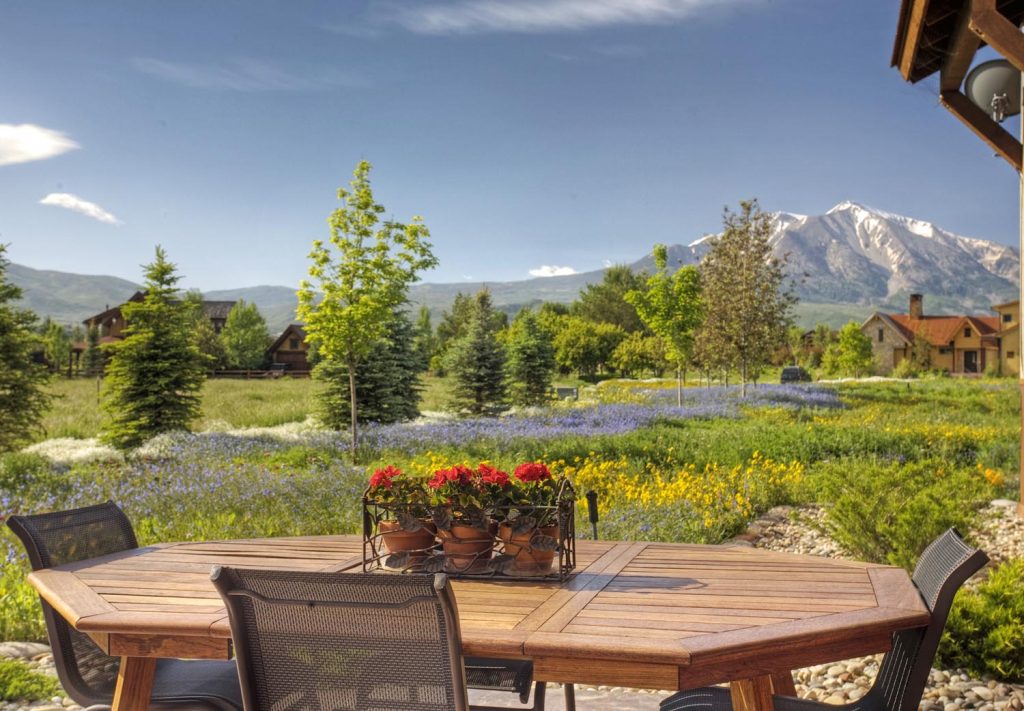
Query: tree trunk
point(679, 387)
point(352, 406)
point(743, 378)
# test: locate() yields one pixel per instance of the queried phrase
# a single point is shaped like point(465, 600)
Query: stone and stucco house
point(958, 344)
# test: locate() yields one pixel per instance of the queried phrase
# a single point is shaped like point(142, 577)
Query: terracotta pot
point(416, 543)
point(528, 560)
point(467, 549)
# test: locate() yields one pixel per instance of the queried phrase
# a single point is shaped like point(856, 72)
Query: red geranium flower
point(459, 475)
point(383, 477)
point(490, 475)
point(532, 471)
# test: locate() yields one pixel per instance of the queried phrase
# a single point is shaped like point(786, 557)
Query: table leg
point(782, 684)
point(753, 694)
point(134, 684)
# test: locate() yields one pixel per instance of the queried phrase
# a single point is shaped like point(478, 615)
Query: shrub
point(21, 617)
point(18, 682)
point(21, 472)
point(889, 512)
point(983, 633)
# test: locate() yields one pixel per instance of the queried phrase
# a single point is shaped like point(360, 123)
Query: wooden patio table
point(646, 615)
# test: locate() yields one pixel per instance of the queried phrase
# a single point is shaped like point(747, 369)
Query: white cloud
point(551, 270)
point(245, 74)
point(77, 204)
point(25, 142)
point(474, 16)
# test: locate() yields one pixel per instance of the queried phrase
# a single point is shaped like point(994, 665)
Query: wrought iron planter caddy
point(502, 541)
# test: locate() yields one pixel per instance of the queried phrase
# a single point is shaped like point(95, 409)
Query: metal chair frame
point(943, 568)
point(178, 684)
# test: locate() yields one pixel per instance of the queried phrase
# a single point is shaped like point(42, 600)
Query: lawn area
point(895, 463)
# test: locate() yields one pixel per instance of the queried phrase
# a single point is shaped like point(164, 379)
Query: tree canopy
point(23, 398)
point(358, 278)
point(155, 374)
point(747, 298)
point(245, 337)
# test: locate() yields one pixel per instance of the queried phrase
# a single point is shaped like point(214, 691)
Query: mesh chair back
point(944, 566)
point(86, 672)
point(344, 641)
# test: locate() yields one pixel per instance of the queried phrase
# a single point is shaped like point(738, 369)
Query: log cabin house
point(290, 351)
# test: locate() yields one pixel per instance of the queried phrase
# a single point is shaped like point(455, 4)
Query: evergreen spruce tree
point(475, 361)
point(531, 361)
point(92, 359)
point(155, 374)
point(245, 337)
point(424, 340)
point(387, 383)
point(23, 400)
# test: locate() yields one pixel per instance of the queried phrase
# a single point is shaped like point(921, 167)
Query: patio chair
point(351, 641)
point(944, 566)
point(87, 673)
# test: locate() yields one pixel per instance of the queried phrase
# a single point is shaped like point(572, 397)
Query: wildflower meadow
point(697, 472)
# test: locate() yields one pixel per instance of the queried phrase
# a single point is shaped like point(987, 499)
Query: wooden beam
point(962, 47)
point(918, 11)
point(1002, 35)
point(998, 138)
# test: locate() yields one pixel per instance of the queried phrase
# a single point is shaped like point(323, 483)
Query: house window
point(1007, 318)
point(293, 344)
point(945, 351)
point(1009, 354)
point(967, 333)
point(881, 335)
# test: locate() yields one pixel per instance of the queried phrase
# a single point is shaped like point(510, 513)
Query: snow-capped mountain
point(855, 254)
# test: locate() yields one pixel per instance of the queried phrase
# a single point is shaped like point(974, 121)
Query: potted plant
point(464, 502)
point(408, 527)
point(530, 529)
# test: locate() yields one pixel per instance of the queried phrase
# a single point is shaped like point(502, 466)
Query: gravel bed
point(784, 528)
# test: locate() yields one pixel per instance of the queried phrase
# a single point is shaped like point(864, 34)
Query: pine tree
point(476, 361)
point(92, 359)
point(23, 400)
point(424, 340)
point(155, 374)
point(387, 384)
point(746, 295)
point(245, 337)
point(531, 361)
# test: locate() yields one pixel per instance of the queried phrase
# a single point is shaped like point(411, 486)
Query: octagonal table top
point(654, 615)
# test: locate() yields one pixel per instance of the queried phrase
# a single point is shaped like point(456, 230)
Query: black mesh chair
point(352, 641)
point(85, 671)
point(944, 566)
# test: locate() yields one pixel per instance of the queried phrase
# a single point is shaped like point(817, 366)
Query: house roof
point(927, 33)
point(940, 330)
point(292, 328)
point(1008, 303)
point(115, 311)
point(212, 309)
point(217, 309)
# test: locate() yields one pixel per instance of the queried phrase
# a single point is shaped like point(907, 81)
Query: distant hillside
point(845, 263)
point(69, 298)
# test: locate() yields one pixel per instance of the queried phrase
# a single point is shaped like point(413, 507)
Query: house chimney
point(916, 306)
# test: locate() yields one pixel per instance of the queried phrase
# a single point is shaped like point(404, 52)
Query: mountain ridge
point(846, 262)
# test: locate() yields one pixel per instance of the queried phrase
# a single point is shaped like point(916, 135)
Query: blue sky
point(570, 133)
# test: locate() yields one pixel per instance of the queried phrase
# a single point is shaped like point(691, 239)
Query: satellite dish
point(995, 87)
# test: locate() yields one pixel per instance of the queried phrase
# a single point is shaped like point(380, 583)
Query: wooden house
point(957, 344)
point(111, 320)
point(290, 351)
